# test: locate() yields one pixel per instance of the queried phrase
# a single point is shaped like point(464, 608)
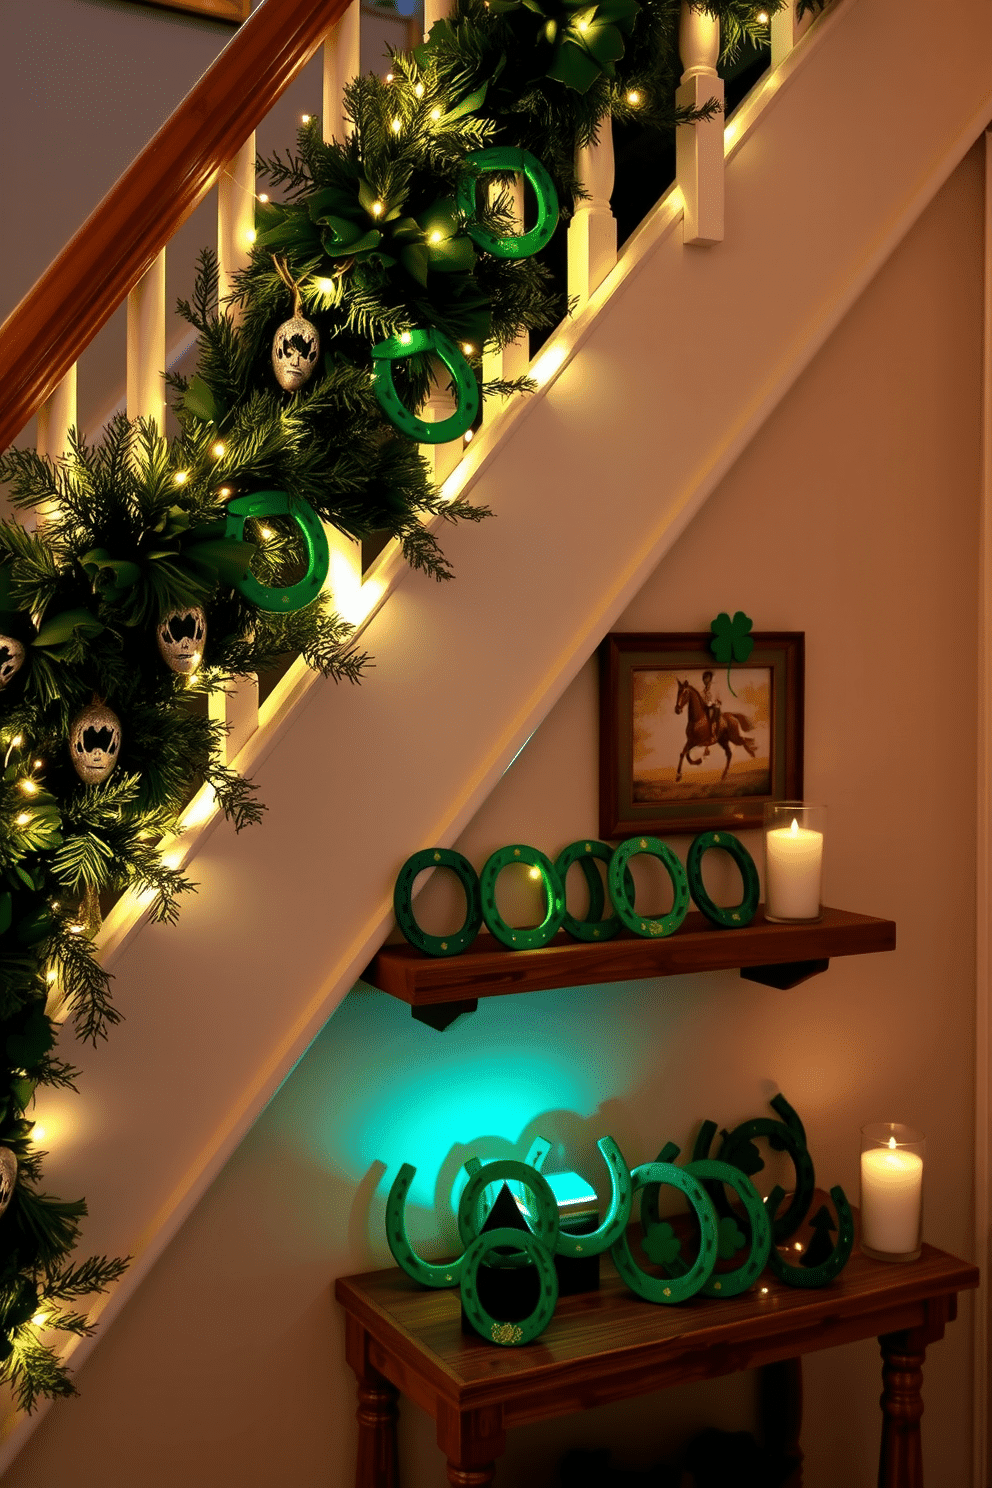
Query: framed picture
point(686, 745)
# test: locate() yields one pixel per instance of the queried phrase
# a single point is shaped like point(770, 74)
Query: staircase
point(827, 164)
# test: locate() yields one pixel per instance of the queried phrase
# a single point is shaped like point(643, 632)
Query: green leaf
point(469, 104)
point(69, 626)
point(414, 260)
point(200, 401)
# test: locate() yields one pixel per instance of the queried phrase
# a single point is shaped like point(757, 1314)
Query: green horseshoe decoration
point(732, 1283)
point(528, 1328)
point(668, 1290)
point(538, 1151)
point(545, 1222)
point(279, 504)
point(784, 1136)
point(415, 343)
point(617, 1215)
point(583, 853)
point(815, 1276)
point(403, 1253)
point(521, 162)
point(648, 925)
point(740, 914)
point(438, 945)
point(539, 935)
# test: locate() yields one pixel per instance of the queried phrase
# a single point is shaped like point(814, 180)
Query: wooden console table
point(609, 1345)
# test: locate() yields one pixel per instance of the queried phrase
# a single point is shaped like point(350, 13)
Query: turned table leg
point(901, 1461)
point(377, 1417)
point(471, 1477)
point(781, 1387)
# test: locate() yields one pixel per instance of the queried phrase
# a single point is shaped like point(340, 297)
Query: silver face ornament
point(295, 348)
point(11, 659)
point(95, 742)
point(181, 637)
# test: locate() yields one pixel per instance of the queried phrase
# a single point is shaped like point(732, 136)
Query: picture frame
point(660, 769)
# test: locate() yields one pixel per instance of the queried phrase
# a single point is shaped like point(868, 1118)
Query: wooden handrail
point(121, 238)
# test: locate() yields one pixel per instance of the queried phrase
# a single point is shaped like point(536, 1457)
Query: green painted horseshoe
point(815, 1276)
point(732, 1283)
point(438, 945)
point(617, 1215)
point(738, 1150)
point(740, 914)
point(279, 504)
point(538, 1151)
point(509, 1335)
point(668, 1290)
point(416, 343)
point(544, 1223)
point(583, 853)
point(648, 925)
point(521, 162)
point(539, 935)
point(403, 1252)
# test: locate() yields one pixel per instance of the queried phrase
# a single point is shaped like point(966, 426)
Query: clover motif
point(662, 1245)
point(732, 640)
point(730, 1240)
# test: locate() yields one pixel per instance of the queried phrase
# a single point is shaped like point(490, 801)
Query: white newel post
point(786, 31)
point(442, 458)
point(699, 147)
point(146, 346)
point(592, 232)
point(237, 703)
point(342, 62)
point(235, 216)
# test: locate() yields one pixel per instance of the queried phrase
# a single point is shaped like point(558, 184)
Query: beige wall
point(853, 516)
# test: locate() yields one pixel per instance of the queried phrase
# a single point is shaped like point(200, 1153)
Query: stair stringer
point(589, 493)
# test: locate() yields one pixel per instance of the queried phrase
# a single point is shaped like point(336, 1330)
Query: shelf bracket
point(441, 1015)
point(785, 974)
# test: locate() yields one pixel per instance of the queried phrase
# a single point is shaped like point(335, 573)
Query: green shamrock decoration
point(730, 1240)
point(662, 1245)
point(732, 640)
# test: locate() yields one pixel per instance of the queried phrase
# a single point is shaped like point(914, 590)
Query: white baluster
point(442, 458)
point(344, 575)
point(236, 217)
point(342, 62)
point(236, 703)
point(786, 31)
point(699, 147)
point(514, 359)
point(592, 232)
point(56, 416)
point(146, 346)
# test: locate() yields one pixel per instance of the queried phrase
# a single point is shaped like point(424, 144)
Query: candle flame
point(892, 1143)
point(794, 829)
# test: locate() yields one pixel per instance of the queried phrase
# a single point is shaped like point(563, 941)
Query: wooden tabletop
point(609, 1344)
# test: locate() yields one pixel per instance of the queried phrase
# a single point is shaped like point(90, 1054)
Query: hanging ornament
point(8, 1176)
point(94, 742)
point(296, 344)
point(181, 637)
point(415, 343)
point(11, 659)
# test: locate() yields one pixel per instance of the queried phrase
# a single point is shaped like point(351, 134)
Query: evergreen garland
point(370, 236)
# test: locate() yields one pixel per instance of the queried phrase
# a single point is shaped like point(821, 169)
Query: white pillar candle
point(891, 1195)
point(793, 860)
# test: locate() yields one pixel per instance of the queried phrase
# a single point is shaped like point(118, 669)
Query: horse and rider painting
point(688, 744)
point(693, 739)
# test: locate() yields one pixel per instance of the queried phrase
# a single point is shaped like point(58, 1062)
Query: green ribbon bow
point(585, 40)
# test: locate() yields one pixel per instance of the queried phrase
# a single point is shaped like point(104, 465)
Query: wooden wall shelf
point(439, 989)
